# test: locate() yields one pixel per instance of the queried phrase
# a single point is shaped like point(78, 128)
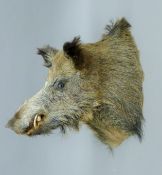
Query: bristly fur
point(117, 27)
point(103, 89)
point(73, 50)
point(46, 53)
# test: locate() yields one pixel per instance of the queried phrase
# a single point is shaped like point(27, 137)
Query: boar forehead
point(61, 66)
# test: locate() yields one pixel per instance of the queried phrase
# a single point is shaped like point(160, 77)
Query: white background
point(28, 24)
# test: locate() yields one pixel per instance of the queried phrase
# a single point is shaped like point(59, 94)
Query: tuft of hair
point(73, 50)
point(138, 129)
point(117, 28)
point(47, 52)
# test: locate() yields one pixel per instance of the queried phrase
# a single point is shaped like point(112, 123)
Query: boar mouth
point(34, 125)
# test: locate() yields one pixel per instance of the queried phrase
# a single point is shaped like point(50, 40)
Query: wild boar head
point(99, 84)
point(66, 98)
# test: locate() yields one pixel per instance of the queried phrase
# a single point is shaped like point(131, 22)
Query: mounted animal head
point(99, 84)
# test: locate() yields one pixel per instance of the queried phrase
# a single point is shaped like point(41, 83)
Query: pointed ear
point(47, 53)
point(73, 50)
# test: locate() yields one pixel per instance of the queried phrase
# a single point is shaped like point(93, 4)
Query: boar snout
point(24, 122)
point(30, 116)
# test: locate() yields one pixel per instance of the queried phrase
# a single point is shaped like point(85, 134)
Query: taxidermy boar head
point(99, 84)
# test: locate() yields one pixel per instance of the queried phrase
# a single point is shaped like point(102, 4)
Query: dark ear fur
point(47, 53)
point(73, 50)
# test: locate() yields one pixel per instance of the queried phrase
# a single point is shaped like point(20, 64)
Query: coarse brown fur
point(104, 90)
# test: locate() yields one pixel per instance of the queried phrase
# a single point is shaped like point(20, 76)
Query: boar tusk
point(37, 119)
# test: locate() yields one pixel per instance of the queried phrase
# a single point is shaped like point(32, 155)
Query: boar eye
point(60, 85)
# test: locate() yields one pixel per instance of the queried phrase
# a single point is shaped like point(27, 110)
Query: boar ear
point(73, 50)
point(47, 53)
